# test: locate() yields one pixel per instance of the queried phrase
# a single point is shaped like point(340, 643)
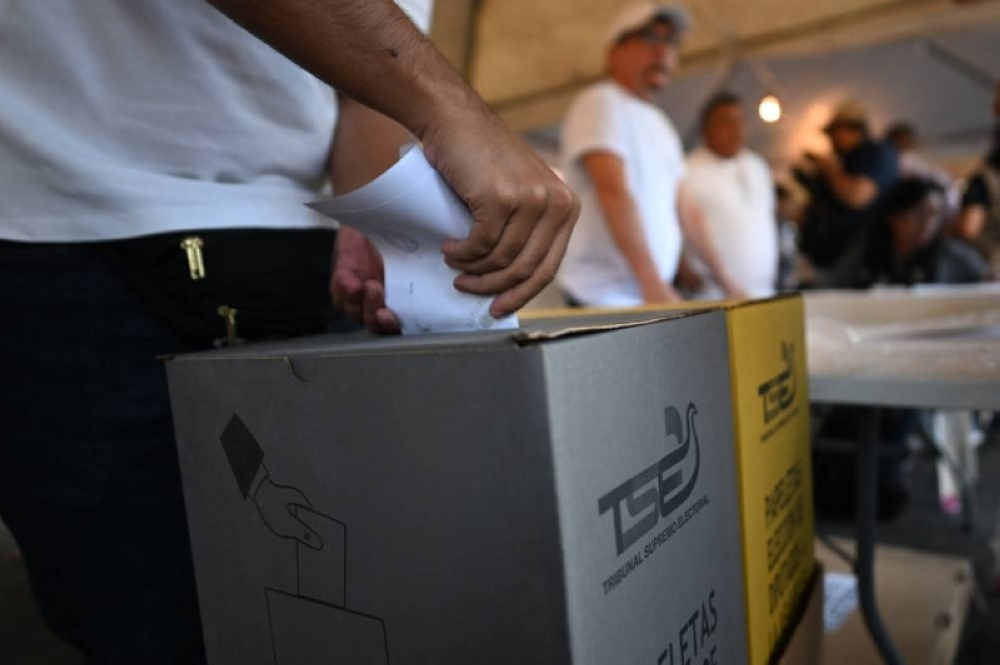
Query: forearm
point(365, 145)
point(367, 49)
point(970, 222)
point(695, 228)
point(625, 227)
point(853, 191)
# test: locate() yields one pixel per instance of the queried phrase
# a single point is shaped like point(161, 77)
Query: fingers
point(374, 300)
point(496, 242)
point(376, 317)
point(501, 228)
point(514, 299)
point(521, 269)
point(527, 255)
point(304, 533)
point(388, 322)
point(364, 303)
point(356, 260)
point(482, 240)
point(348, 294)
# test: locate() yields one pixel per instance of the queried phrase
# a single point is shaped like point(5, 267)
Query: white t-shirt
point(737, 197)
point(606, 118)
point(122, 118)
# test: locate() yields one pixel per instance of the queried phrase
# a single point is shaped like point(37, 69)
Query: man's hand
point(695, 228)
point(659, 293)
point(523, 213)
point(735, 291)
point(687, 277)
point(374, 54)
point(358, 283)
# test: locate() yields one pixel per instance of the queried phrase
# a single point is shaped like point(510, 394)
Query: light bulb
point(770, 109)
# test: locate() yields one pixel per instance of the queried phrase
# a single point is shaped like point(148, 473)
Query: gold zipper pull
point(229, 314)
point(196, 261)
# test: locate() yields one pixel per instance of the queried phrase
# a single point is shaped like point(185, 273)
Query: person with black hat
point(846, 188)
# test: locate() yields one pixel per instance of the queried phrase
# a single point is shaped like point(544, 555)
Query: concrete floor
point(24, 640)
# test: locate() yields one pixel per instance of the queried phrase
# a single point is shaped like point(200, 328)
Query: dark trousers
point(89, 480)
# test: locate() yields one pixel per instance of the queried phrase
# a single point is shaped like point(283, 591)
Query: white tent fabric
point(906, 59)
point(920, 80)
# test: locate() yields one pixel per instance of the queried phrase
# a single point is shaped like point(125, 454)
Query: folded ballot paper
point(408, 212)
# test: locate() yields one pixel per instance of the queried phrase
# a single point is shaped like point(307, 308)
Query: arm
point(696, 232)
point(971, 221)
point(372, 52)
point(368, 49)
point(277, 504)
point(854, 191)
point(607, 172)
point(688, 278)
point(365, 145)
point(975, 208)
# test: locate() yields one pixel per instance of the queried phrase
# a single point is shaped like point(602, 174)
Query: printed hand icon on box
point(310, 625)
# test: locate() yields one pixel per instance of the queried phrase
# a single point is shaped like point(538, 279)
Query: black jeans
point(89, 480)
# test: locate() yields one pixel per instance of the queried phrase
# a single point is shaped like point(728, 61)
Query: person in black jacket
point(979, 221)
point(904, 248)
point(846, 188)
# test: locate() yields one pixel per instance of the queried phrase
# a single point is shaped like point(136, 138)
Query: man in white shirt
point(623, 158)
point(126, 125)
point(734, 188)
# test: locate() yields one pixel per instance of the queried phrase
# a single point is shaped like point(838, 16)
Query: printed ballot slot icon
point(316, 607)
point(565, 494)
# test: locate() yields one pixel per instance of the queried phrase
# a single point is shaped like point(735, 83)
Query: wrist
point(654, 291)
point(451, 112)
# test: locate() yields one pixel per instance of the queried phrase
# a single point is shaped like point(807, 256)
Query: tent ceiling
point(528, 57)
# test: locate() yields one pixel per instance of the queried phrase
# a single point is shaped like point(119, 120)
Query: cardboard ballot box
point(770, 406)
point(804, 644)
point(564, 495)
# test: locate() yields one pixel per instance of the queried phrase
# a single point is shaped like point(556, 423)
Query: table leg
point(864, 564)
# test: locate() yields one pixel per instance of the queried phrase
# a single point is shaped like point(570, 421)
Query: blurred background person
point(734, 189)
point(903, 137)
point(624, 159)
point(979, 221)
point(845, 188)
point(787, 216)
point(907, 246)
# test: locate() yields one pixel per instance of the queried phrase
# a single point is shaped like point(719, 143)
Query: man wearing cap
point(846, 188)
point(623, 158)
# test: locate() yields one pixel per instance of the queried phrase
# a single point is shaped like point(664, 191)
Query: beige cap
point(849, 114)
point(640, 14)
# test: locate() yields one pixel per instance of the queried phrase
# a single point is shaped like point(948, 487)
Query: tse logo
point(657, 490)
point(778, 393)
